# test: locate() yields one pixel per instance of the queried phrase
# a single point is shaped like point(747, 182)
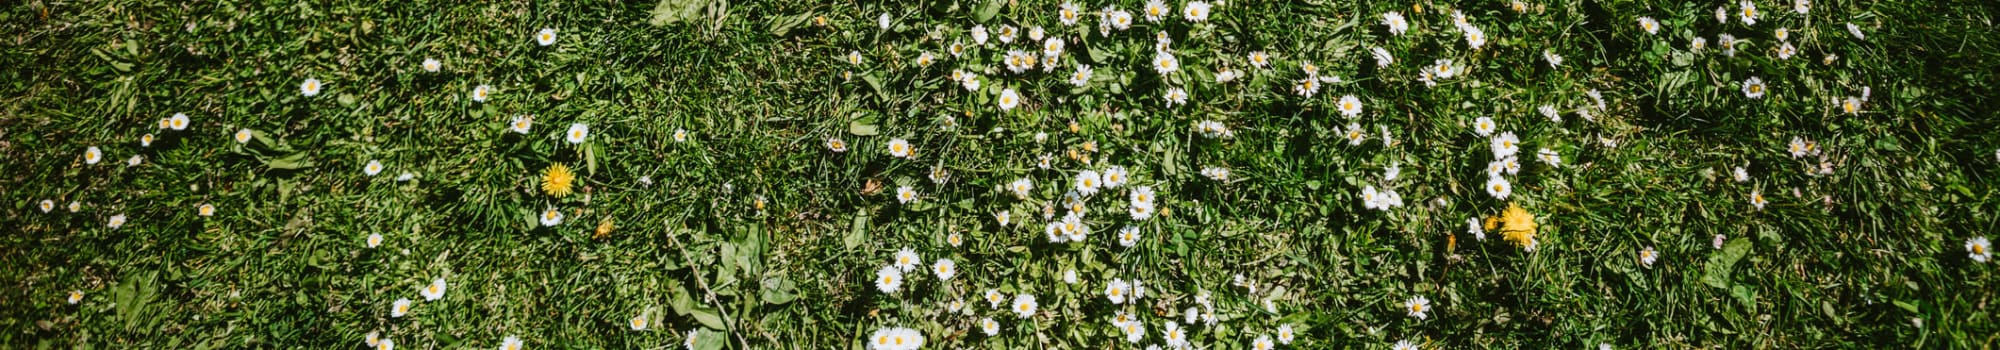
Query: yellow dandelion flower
point(556, 180)
point(1517, 225)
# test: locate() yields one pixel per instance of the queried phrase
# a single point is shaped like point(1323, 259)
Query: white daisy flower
point(116, 221)
point(1505, 145)
point(373, 167)
point(1698, 44)
point(1649, 25)
point(91, 155)
point(521, 124)
point(1216, 173)
point(1350, 106)
point(1069, 276)
point(1081, 77)
point(1260, 59)
point(1851, 105)
point(907, 259)
point(399, 308)
point(1007, 33)
point(75, 296)
point(1753, 88)
point(1164, 62)
point(480, 93)
point(1722, 14)
point(1024, 305)
point(374, 240)
point(1155, 10)
point(432, 65)
point(47, 205)
point(1647, 256)
point(1394, 20)
point(577, 133)
point(1195, 11)
point(1176, 96)
point(434, 291)
point(1740, 175)
point(1856, 31)
point(889, 279)
point(1549, 156)
point(1801, 6)
point(979, 34)
point(1009, 99)
point(373, 339)
point(1748, 14)
point(1068, 13)
point(1444, 68)
point(1128, 236)
point(1472, 225)
point(1404, 345)
point(1786, 50)
point(310, 87)
point(1483, 126)
point(986, 324)
point(1977, 248)
point(1728, 43)
point(1757, 199)
point(1306, 87)
point(1115, 177)
point(1474, 37)
point(900, 148)
point(1418, 306)
point(135, 160)
point(1499, 187)
point(75, 206)
point(385, 344)
point(546, 37)
point(944, 269)
point(1263, 342)
point(551, 217)
point(178, 122)
point(1382, 57)
point(1117, 290)
point(905, 195)
point(882, 21)
point(1285, 333)
point(1035, 33)
point(1355, 134)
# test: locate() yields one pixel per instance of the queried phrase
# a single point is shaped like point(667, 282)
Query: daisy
point(1082, 75)
point(1749, 13)
point(1405, 345)
point(1355, 134)
point(1851, 106)
point(1263, 342)
point(1474, 37)
point(146, 140)
point(1444, 68)
point(1728, 43)
point(1009, 99)
point(1549, 156)
point(1134, 331)
point(1801, 6)
point(1382, 57)
point(1483, 126)
point(1394, 20)
point(75, 296)
point(1799, 147)
point(1753, 88)
point(1978, 248)
point(1647, 256)
point(1115, 177)
point(1785, 51)
point(1073, 226)
point(1718, 241)
point(889, 279)
point(521, 123)
point(1722, 14)
point(1156, 9)
point(385, 344)
point(1350, 106)
point(1782, 34)
point(1216, 173)
point(577, 133)
point(987, 325)
point(1553, 59)
point(480, 92)
point(688, 341)
point(1307, 87)
point(1195, 11)
point(1856, 31)
point(1505, 145)
point(434, 291)
point(1007, 32)
point(1740, 175)
point(1649, 25)
point(1164, 62)
point(1176, 96)
point(1498, 187)
point(1035, 33)
point(1285, 331)
point(680, 135)
point(373, 167)
point(905, 195)
point(399, 308)
point(1472, 225)
point(75, 206)
point(204, 210)
point(1069, 276)
point(92, 155)
point(309, 88)
point(1119, 18)
point(510, 343)
point(882, 21)
point(178, 122)
point(374, 338)
point(1698, 44)
point(432, 65)
point(979, 34)
point(1068, 13)
point(944, 269)
point(1024, 305)
point(546, 37)
point(1417, 306)
point(836, 145)
point(116, 221)
point(48, 205)
point(899, 148)
point(374, 240)
point(1128, 236)
point(1116, 291)
point(1370, 198)
point(1757, 199)
point(551, 217)
point(1260, 59)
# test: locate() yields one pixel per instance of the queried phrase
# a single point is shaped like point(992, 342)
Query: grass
point(754, 234)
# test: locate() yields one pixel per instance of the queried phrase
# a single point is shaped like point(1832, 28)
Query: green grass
point(1869, 256)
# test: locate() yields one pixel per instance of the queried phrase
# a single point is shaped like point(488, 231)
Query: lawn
point(1017, 174)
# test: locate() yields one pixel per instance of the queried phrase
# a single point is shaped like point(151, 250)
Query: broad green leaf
point(1719, 264)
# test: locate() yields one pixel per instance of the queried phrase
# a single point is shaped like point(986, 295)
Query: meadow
point(1005, 174)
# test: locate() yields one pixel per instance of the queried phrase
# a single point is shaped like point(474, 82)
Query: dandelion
point(1977, 248)
point(1394, 20)
point(556, 180)
point(1350, 106)
point(511, 343)
point(546, 37)
point(479, 93)
point(1024, 305)
point(577, 133)
point(399, 308)
point(1418, 306)
point(310, 87)
point(1164, 62)
point(1757, 199)
point(1647, 256)
point(889, 279)
point(374, 240)
point(1195, 11)
point(1499, 187)
point(905, 195)
point(1649, 25)
point(432, 65)
point(1009, 99)
point(434, 291)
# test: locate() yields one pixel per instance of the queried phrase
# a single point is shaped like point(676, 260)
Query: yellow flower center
point(1499, 187)
point(1979, 249)
point(888, 279)
point(312, 86)
point(1416, 307)
point(548, 37)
